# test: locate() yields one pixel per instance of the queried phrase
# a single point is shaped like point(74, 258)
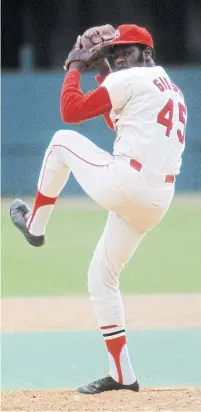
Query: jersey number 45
point(165, 117)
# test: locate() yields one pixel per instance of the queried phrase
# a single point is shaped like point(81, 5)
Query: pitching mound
point(152, 399)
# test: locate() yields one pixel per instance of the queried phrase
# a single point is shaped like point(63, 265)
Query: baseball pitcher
point(135, 183)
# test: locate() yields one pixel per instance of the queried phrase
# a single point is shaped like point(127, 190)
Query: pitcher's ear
point(147, 53)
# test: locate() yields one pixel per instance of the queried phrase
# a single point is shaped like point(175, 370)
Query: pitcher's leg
point(116, 246)
point(52, 179)
point(62, 156)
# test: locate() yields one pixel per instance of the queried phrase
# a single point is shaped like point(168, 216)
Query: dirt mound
point(49, 314)
point(149, 399)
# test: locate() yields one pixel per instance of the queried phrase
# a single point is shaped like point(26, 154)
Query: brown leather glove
point(97, 35)
point(78, 53)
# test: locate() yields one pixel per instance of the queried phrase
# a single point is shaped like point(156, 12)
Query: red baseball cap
point(130, 34)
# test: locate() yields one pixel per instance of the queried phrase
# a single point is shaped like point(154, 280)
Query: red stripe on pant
point(79, 157)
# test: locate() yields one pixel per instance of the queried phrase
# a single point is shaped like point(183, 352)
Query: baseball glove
point(96, 35)
point(78, 53)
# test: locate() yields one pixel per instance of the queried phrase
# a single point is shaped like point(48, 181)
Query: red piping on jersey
point(75, 106)
point(79, 157)
point(106, 115)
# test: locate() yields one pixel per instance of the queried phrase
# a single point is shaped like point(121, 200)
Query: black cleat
point(18, 211)
point(106, 384)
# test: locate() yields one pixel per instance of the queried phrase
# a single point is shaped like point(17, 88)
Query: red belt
point(138, 166)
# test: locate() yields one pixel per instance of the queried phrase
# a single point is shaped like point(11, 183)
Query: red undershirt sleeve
point(75, 106)
point(106, 115)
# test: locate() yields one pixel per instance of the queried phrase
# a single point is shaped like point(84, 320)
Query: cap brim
point(108, 46)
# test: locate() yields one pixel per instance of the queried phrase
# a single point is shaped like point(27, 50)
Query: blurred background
point(36, 38)
point(47, 29)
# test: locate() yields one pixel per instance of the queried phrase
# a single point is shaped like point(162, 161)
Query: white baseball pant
point(136, 201)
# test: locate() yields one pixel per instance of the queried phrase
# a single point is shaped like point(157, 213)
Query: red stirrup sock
point(42, 210)
point(120, 365)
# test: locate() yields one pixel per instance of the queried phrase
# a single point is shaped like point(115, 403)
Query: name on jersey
point(165, 84)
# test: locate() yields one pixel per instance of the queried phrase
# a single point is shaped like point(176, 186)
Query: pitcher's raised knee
point(63, 136)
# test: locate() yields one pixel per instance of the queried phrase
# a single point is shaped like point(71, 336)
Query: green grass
point(168, 259)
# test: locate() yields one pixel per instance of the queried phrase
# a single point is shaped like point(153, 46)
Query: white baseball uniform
point(149, 115)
